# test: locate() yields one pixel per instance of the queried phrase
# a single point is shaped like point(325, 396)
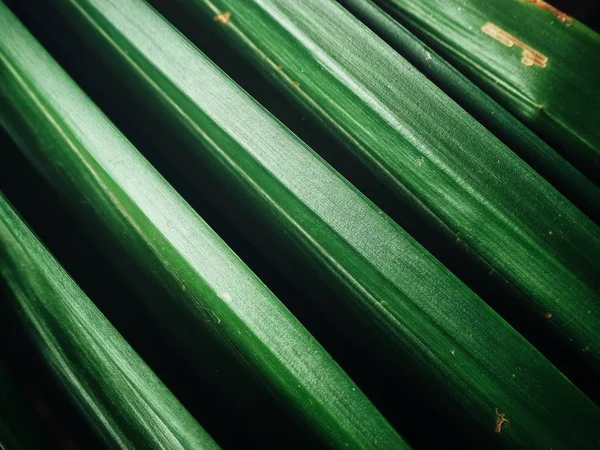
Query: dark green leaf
point(545, 160)
point(424, 147)
point(389, 291)
point(493, 43)
point(120, 396)
point(206, 292)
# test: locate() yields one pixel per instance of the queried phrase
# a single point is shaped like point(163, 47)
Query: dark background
point(50, 219)
point(586, 11)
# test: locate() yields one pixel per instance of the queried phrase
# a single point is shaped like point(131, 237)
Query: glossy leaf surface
point(424, 147)
point(546, 161)
point(120, 396)
point(491, 42)
point(140, 218)
point(399, 298)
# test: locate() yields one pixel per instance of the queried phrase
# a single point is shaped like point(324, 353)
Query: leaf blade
point(556, 101)
point(382, 275)
point(113, 388)
point(140, 217)
point(542, 158)
point(468, 184)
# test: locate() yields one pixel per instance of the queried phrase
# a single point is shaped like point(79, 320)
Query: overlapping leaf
point(424, 147)
point(413, 311)
point(199, 290)
point(538, 62)
point(120, 396)
point(546, 161)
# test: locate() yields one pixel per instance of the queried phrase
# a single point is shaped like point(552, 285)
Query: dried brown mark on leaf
point(563, 17)
point(223, 18)
point(529, 56)
point(500, 420)
point(296, 84)
point(548, 315)
point(279, 68)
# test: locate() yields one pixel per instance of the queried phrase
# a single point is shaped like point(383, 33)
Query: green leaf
point(558, 99)
point(425, 148)
point(389, 292)
point(137, 218)
point(545, 160)
point(115, 390)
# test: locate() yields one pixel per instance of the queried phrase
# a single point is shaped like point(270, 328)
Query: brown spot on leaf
point(563, 17)
point(279, 68)
point(223, 18)
point(500, 420)
point(529, 56)
point(548, 315)
point(296, 84)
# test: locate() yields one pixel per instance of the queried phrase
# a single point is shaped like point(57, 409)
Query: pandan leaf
point(545, 160)
point(389, 291)
point(116, 391)
point(424, 147)
point(538, 62)
point(139, 219)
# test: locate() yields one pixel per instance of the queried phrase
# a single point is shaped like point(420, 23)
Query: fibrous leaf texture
point(113, 388)
point(424, 147)
point(208, 299)
point(415, 314)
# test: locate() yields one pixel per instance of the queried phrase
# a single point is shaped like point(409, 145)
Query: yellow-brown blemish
point(563, 17)
point(500, 420)
point(548, 315)
point(529, 56)
point(223, 18)
point(296, 84)
point(279, 68)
